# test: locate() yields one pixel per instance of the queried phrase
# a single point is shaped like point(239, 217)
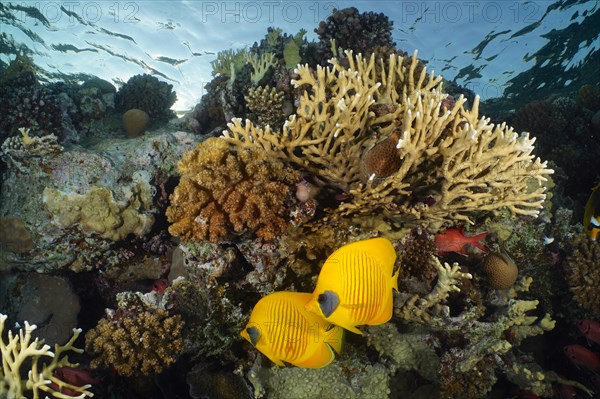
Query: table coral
point(20, 350)
point(448, 161)
point(134, 342)
point(223, 191)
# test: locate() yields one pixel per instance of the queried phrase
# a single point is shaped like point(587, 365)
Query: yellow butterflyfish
point(284, 331)
point(355, 285)
point(591, 217)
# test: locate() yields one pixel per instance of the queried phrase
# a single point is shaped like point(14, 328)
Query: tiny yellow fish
point(284, 331)
point(355, 285)
point(591, 217)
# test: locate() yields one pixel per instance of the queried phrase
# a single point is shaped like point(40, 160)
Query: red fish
point(591, 330)
point(73, 376)
point(584, 357)
point(453, 240)
point(160, 285)
point(567, 392)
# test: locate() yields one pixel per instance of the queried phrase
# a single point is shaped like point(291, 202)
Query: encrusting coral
point(447, 162)
point(223, 191)
point(98, 211)
point(135, 342)
point(20, 350)
point(14, 236)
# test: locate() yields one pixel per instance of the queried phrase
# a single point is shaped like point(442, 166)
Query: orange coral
point(224, 191)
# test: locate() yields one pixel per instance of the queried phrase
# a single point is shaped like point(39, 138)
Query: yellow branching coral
point(19, 349)
point(140, 342)
point(433, 148)
point(418, 308)
point(223, 191)
point(260, 65)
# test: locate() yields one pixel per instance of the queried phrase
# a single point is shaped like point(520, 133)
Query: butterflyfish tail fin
point(321, 358)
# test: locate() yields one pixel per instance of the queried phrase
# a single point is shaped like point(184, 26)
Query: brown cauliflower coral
point(146, 342)
point(224, 191)
point(583, 273)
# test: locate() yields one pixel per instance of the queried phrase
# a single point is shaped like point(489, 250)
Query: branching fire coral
point(20, 349)
point(223, 191)
point(442, 160)
point(136, 342)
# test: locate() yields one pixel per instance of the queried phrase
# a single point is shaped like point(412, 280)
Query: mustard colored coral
point(99, 212)
point(134, 342)
point(440, 150)
point(22, 356)
point(224, 191)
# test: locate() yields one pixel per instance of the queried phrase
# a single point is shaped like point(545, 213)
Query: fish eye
point(253, 334)
point(328, 302)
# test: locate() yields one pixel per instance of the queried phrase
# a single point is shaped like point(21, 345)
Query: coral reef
point(19, 350)
point(147, 93)
point(314, 156)
point(457, 160)
point(223, 192)
point(135, 340)
point(583, 274)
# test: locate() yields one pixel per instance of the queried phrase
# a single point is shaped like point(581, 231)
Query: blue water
point(483, 45)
